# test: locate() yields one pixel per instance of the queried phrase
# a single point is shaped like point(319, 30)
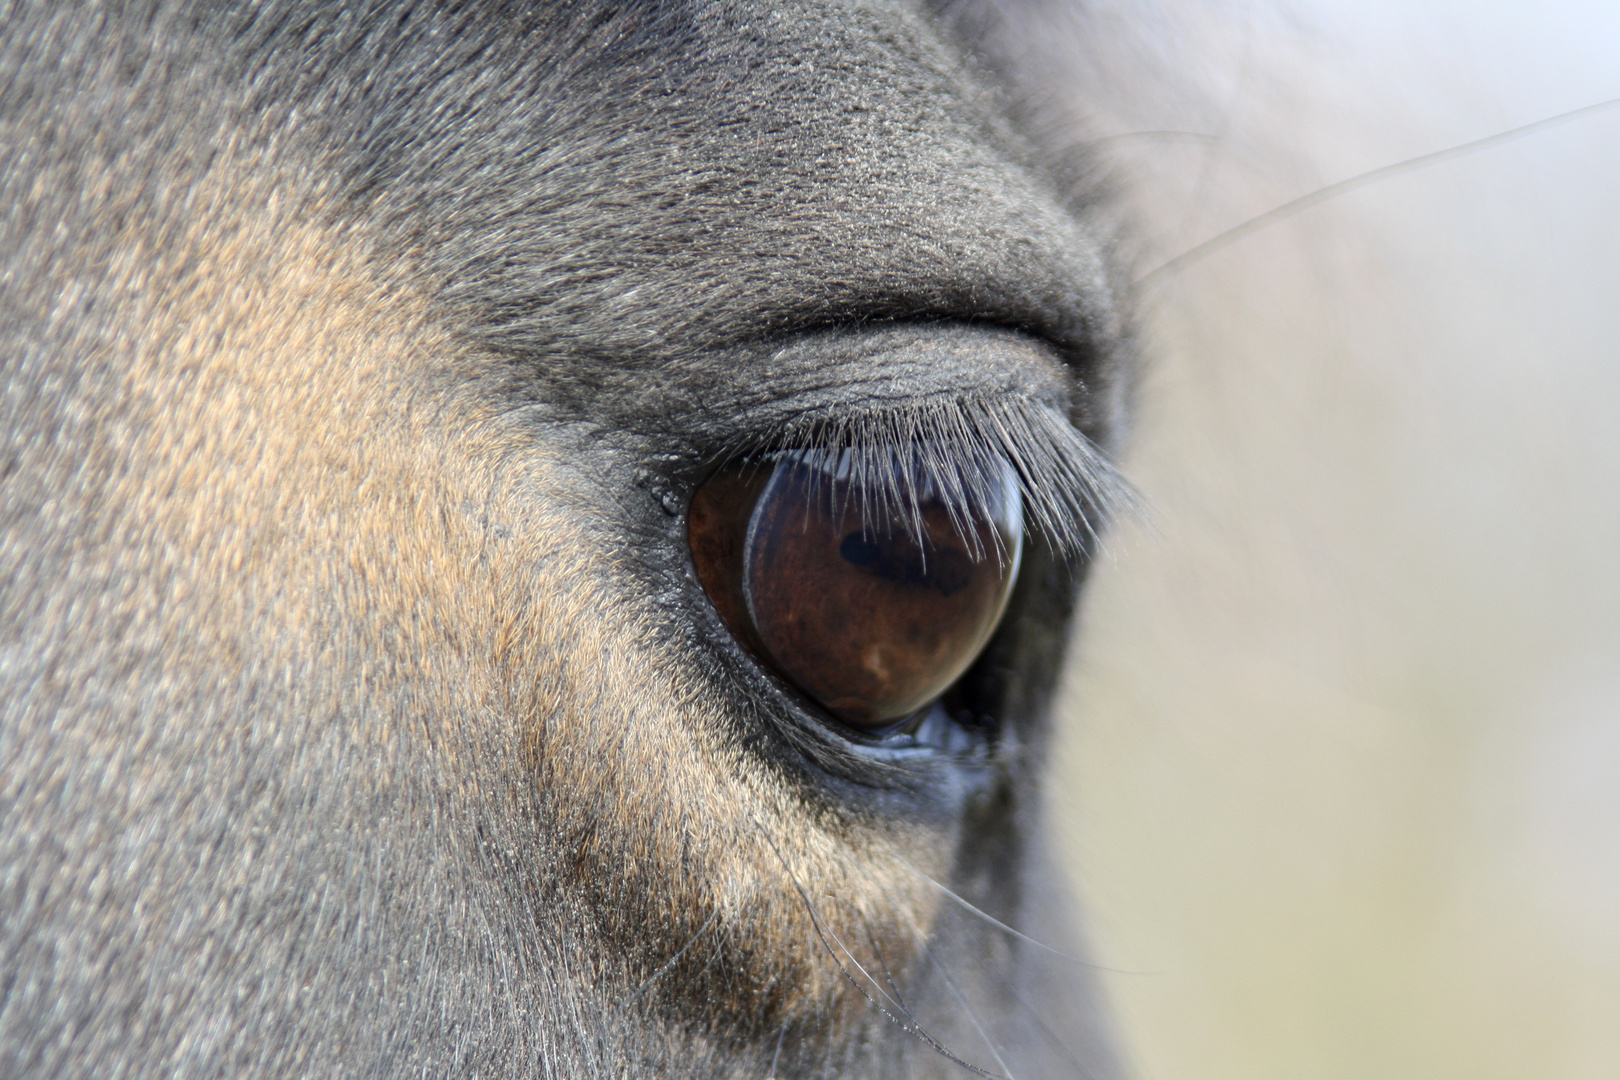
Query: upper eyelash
point(956, 451)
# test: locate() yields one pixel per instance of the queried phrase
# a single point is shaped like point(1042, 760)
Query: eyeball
point(867, 588)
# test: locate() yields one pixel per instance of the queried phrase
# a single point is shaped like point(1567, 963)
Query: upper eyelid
point(817, 378)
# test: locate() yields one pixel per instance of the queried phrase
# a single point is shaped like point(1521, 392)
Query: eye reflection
point(864, 587)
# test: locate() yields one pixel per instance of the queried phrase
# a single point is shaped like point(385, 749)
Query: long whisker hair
point(1045, 1028)
point(926, 943)
point(777, 1056)
point(980, 913)
point(671, 962)
point(967, 1010)
point(1227, 237)
point(888, 973)
point(905, 1020)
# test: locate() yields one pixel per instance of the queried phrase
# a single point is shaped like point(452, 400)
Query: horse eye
point(871, 593)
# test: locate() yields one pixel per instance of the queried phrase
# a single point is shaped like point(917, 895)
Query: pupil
point(930, 565)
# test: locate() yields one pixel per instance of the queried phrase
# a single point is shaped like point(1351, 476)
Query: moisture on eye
point(872, 594)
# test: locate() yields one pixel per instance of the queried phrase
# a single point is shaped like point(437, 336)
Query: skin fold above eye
point(871, 593)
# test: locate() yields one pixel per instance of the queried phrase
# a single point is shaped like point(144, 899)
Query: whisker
point(1005, 978)
point(693, 940)
point(1293, 206)
point(887, 973)
point(778, 1055)
point(967, 1010)
point(1046, 1029)
point(997, 923)
point(910, 1024)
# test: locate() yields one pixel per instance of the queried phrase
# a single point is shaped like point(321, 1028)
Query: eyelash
point(958, 450)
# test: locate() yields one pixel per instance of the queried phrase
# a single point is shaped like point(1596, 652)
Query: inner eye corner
point(866, 590)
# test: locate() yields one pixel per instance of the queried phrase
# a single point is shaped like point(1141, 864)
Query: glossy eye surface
point(864, 587)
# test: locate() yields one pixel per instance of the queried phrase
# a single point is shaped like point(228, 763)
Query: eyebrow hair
point(958, 450)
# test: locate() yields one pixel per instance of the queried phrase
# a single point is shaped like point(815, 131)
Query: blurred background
point(1342, 767)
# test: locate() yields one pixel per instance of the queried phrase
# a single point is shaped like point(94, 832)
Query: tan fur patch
point(309, 464)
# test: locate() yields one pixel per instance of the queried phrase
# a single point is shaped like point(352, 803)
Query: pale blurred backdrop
point(1342, 771)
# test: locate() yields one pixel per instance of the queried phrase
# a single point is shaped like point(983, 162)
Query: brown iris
point(866, 589)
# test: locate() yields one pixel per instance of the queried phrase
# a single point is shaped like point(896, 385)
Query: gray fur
point(359, 361)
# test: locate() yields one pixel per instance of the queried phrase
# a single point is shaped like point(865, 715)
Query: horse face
point(394, 684)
